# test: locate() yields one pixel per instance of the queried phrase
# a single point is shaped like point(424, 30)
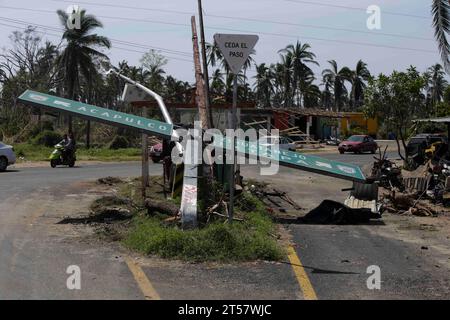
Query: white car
point(7, 156)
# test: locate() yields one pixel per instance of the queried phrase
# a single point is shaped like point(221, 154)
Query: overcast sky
point(322, 23)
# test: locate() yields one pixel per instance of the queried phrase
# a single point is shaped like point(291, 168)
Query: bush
point(119, 142)
point(47, 138)
point(45, 125)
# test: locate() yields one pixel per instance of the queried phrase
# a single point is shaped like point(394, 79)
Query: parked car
point(284, 143)
point(287, 144)
point(358, 144)
point(156, 152)
point(7, 156)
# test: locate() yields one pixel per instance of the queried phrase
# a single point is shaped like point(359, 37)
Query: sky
point(334, 29)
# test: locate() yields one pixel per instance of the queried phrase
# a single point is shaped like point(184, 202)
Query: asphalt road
point(358, 159)
point(34, 255)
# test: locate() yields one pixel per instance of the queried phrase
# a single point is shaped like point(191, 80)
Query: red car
point(358, 144)
point(156, 152)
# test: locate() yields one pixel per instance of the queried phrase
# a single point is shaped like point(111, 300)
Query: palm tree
point(309, 92)
point(264, 86)
point(156, 78)
point(217, 83)
point(300, 56)
point(359, 76)
point(286, 72)
point(436, 83)
point(337, 78)
point(327, 95)
point(77, 58)
point(441, 21)
point(213, 54)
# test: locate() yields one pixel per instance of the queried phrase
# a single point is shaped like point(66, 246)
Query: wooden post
point(145, 156)
point(205, 67)
point(200, 92)
point(88, 134)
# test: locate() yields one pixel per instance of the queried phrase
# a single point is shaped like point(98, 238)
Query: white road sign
point(235, 48)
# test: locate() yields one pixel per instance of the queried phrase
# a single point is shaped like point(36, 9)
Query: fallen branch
point(226, 216)
point(163, 207)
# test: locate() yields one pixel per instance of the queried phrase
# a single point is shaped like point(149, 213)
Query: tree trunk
point(88, 134)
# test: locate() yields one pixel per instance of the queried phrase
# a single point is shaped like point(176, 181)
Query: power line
point(170, 51)
point(323, 4)
point(59, 36)
point(256, 20)
point(304, 37)
point(328, 40)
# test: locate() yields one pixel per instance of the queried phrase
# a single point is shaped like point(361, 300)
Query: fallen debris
point(109, 181)
point(104, 215)
point(161, 206)
point(332, 212)
point(274, 199)
point(416, 192)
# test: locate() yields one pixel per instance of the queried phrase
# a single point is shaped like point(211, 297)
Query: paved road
point(33, 256)
point(358, 159)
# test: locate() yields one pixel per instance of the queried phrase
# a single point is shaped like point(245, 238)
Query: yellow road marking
point(302, 277)
point(142, 280)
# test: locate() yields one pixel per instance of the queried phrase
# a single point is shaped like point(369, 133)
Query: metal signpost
point(131, 93)
point(236, 49)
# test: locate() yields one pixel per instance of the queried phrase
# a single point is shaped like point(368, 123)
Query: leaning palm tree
point(301, 56)
point(359, 77)
point(441, 21)
point(77, 58)
point(337, 78)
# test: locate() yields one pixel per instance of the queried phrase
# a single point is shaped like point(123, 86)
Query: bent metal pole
point(160, 102)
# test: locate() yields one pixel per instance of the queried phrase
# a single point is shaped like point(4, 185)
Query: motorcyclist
point(68, 142)
point(70, 146)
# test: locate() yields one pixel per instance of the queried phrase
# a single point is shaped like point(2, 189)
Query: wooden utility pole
point(202, 111)
point(205, 66)
point(199, 81)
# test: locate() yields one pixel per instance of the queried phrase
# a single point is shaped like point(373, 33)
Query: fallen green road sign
point(251, 149)
point(296, 160)
point(90, 112)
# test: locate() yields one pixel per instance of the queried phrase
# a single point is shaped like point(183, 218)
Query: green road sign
point(285, 158)
point(91, 112)
point(296, 160)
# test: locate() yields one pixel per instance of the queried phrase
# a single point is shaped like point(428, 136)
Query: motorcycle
point(440, 179)
point(56, 157)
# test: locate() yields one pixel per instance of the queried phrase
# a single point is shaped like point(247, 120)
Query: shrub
point(119, 142)
point(45, 125)
point(47, 138)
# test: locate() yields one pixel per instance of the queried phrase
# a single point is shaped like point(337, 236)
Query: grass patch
point(247, 240)
point(32, 152)
point(240, 241)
